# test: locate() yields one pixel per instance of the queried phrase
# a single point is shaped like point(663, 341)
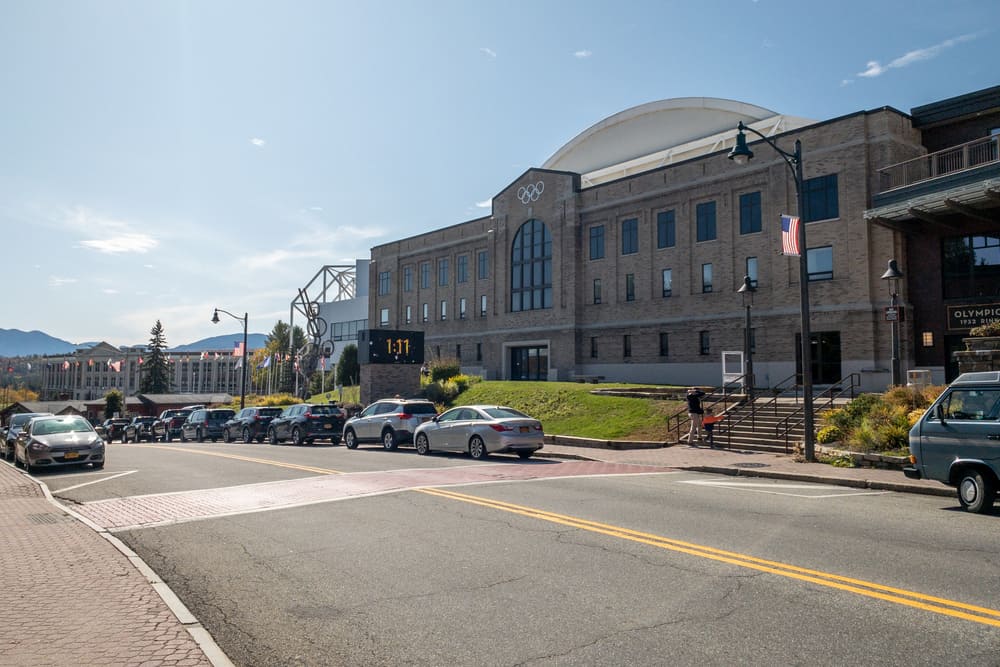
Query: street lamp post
point(893, 274)
point(243, 369)
point(746, 290)
point(741, 154)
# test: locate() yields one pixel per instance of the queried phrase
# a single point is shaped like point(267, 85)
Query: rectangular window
point(597, 242)
point(593, 347)
point(750, 213)
point(479, 351)
point(461, 308)
point(483, 265)
point(971, 266)
point(597, 290)
point(664, 344)
point(705, 220)
point(630, 287)
point(384, 282)
point(444, 310)
point(425, 275)
point(409, 314)
point(407, 278)
point(462, 269)
point(706, 277)
point(630, 236)
point(666, 234)
point(668, 282)
point(819, 263)
point(442, 272)
point(426, 312)
point(704, 343)
point(482, 306)
point(752, 271)
point(458, 352)
point(383, 317)
point(819, 198)
point(627, 345)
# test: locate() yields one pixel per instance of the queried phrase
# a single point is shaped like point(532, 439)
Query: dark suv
point(307, 422)
point(113, 428)
point(168, 426)
point(139, 429)
point(14, 427)
point(205, 424)
point(390, 421)
point(249, 424)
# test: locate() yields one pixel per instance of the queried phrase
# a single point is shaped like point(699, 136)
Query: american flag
point(790, 235)
point(238, 349)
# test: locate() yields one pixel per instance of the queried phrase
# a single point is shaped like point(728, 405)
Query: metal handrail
point(969, 155)
point(757, 406)
point(851, 380)
point(677, 421)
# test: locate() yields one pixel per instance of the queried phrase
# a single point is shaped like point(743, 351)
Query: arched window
point(531, 267)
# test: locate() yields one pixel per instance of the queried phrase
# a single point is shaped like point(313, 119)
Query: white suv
point(390, 421)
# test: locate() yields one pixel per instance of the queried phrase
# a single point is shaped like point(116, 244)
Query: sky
point(163, 158)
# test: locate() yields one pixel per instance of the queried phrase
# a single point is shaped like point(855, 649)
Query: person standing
point(695, 412)
point(708, 422)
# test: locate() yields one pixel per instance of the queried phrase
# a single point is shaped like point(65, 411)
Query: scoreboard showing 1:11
point(390, 346)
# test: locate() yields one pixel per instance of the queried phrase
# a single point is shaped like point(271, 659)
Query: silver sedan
point(51, 442)
point(480, 430)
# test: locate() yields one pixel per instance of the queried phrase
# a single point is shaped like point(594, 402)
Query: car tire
point(272, 437)
point(477, 448)
point(389, 439)
point(183, 436)
point(226, 436)
point(976, 492)
point(350, 439)
point(124, 438)
point(166, 437)
point(422, 445)
point(98, 465)
point(524, 455)
point(199, 436)
point(28, 468)
point(246, 436)
point(297, 437)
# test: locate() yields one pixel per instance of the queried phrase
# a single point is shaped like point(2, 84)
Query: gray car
point(957, 441)
point(56, 441)
point(481, 430)
point(390, 421)
point(17, 422)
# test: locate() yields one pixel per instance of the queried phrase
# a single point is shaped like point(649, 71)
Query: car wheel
point(199, 436)
point(28, 468)
point(477, 448)
point(350, 439)
point(124, 438)
point(976, 492)
point(272, 437)
point(167, 437)
point(246, 436)
point(525, 454)
point(226, 437)
point(296, 436)
point(389, 439)
point(183, 436)
point(422, 445)
point(98, 465)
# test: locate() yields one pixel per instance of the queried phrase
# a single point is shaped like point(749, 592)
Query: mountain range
point(17, 343)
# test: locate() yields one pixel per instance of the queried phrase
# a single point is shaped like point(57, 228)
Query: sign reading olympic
point(531, 192)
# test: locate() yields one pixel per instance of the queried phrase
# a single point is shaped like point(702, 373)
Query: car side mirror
point(939, 412)
point(434, 418)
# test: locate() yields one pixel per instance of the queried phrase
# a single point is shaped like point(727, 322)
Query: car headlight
point(38, 447)
point(97, 444)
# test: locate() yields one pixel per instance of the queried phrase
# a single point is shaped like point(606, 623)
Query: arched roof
point(656, 127)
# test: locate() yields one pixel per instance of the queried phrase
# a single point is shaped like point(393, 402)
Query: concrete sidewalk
point(72, 595)
point(754, 464)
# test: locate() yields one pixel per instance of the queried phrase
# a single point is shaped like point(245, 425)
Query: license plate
point(327, 426)
point(525, 429)
point(72, 455)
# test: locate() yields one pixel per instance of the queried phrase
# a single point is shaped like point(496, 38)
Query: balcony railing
point(949, 161)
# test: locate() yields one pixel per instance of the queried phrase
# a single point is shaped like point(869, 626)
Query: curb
point(835, 481)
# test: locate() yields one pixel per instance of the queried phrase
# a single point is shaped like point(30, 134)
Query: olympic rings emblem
point(530, 192)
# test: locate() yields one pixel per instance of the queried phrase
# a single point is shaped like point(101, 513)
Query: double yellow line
point(249, 459)
point(899, 596)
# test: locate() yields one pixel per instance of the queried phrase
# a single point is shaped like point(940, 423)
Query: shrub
point(445, 369)
point(441, 393)
point(988, 329)
point(828, 434)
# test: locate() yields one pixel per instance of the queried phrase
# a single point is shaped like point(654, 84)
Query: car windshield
point(270, 412)
point(504, 413)
point(420, 408)
point(68, 425)
point(22, 419)
point(324, 410)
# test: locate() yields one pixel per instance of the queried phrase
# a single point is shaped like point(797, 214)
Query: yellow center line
point(249, 459)
point(899, 596)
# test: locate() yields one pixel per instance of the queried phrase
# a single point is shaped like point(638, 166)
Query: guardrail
point(969, 155)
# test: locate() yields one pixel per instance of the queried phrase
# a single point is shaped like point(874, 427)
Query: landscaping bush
point(444, 369)
point(988, 329)
point(877, 422)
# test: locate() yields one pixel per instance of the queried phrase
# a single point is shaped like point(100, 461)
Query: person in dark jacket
point(695, 412)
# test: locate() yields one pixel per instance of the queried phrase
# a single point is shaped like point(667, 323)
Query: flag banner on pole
point(790, 235)
point(265, 364)
point(238, 349)
point(65, 365)
point(239, 364)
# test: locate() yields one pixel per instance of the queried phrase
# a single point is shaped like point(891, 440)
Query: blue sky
point(162, 158)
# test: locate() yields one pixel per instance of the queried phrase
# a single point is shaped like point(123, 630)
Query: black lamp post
point(243, 369)
point(741, 154)
point(893, 274)
point(746, 290)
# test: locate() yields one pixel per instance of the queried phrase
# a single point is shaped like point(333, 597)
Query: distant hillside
point(17, 343)
point(220, 343)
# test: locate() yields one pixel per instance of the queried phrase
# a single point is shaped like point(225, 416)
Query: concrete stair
point(763, 431)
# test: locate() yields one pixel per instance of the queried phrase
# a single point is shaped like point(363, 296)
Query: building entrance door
point(529, 363)
point(825, 356)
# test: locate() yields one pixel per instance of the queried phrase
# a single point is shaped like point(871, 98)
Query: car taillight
point(256, 418)
point(500, 428)
point(405, 415)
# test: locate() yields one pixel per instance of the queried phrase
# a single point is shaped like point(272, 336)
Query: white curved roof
point(650, 135)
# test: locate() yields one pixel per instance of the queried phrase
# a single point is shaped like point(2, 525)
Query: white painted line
point(96, 481)
point(775, 489)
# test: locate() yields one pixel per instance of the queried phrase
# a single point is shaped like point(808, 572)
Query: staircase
point(762, 427)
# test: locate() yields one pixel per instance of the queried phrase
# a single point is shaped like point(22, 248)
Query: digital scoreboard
point(389, 346)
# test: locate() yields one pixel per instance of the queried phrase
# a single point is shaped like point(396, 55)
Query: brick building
point(622, 255)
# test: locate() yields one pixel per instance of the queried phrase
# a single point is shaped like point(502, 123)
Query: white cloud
point(147, 266)
point(108, 290)
point(846, 82)
point(56, 281)
point(489, 52)
point(258, 142)
point(875, 68)
point(484, 204)
point(583, 53)
point(318, 209)
point(112, 236)
point(123, 243)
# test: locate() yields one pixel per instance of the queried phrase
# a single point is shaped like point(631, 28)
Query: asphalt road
point(325, 556)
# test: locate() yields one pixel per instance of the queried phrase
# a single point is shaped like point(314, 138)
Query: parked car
point(481, 430)
point(306, 423)
point(14, 427)
point(957, 441)
point(249, 424)
point(390, 421)
point(139, 429)
point(205, 424)
point(58, 440)
point(168, 426)
point(113, 428)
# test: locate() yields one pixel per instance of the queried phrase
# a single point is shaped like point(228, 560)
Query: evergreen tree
point(155, 368)
point(278, 344)
point(114, 402)
point(348, 368)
